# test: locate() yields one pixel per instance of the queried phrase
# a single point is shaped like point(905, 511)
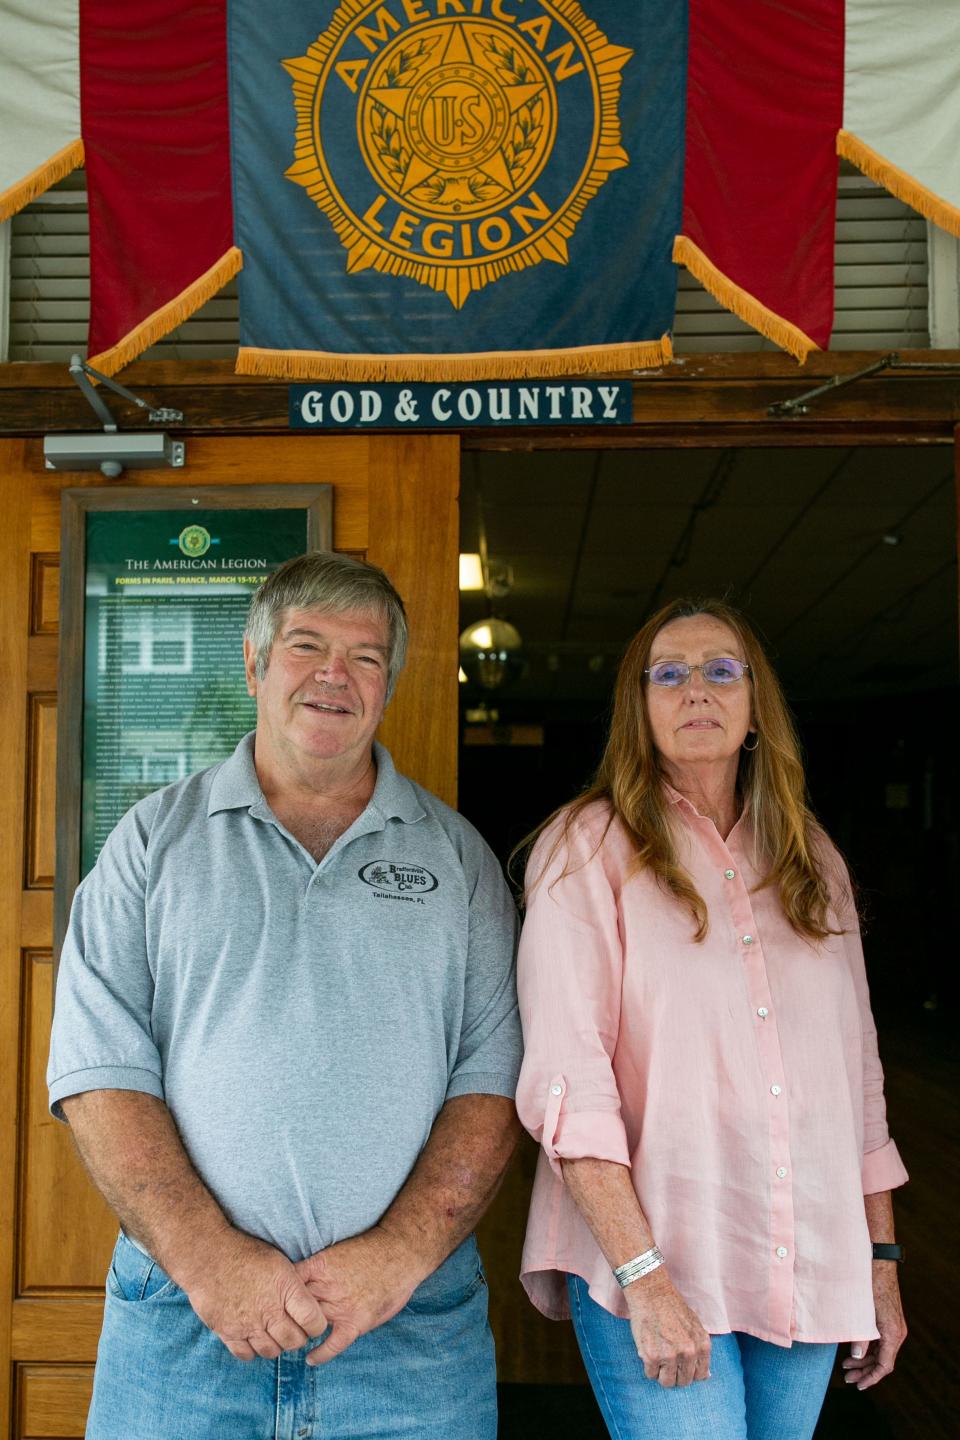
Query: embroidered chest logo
point(396, 881)
point(456, 141)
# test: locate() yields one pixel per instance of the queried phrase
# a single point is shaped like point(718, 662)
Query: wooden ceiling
point(845, 559)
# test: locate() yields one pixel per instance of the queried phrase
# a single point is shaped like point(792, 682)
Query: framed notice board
point(155, 587)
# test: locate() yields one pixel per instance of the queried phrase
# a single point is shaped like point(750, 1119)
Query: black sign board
point(448, 406)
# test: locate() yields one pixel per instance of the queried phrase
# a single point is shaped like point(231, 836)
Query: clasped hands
point(260, 1303)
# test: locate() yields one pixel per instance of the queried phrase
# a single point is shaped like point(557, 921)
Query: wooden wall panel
point(40, 843)
point(45, 595)
point(15, 612)
point(54, 1329)
point(52, 1401)
point(42, 663)
point(36, 919)
point(66, 1231)
point(337, 460)
point(414, 536)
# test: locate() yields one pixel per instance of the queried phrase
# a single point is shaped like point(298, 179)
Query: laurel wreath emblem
point(385, 131)
point(508, 66)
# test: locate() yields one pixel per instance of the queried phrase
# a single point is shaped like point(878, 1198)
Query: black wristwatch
point(888, 1252)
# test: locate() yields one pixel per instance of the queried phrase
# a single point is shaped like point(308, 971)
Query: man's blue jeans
point(428, 1374)
point(756, 1391)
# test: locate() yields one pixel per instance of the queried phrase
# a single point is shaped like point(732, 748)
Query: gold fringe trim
point(510, 365)
point(898, 182)
point(789, 337)
point(169, 316)
point(63, 163)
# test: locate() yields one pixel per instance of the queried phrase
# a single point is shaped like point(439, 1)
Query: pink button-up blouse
point(738, 1079)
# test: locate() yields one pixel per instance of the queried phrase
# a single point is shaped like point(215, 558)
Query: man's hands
point(671, 1342)
point(360, 1283)
point(243, 1289)
point(252, 1298)
point(258, 1303)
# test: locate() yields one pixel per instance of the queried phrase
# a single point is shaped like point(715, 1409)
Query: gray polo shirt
point(304, 1023)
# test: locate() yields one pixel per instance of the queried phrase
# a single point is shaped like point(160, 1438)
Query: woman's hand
point(869, 1361)
point(671, 1342)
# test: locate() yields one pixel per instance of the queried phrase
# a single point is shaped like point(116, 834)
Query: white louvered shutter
point(881, 279)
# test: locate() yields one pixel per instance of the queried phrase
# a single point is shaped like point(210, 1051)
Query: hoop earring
point(756, 741)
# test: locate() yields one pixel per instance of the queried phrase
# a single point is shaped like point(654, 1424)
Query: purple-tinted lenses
point(722, 671)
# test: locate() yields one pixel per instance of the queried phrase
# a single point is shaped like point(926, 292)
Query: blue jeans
point(756, 1391)
point(428, 1374)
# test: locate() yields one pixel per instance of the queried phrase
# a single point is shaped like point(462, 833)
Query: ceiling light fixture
point(490, 652)
point(471, 572)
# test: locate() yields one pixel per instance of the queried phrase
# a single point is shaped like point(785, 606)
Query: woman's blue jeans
point(756, 1391)
point(427, 1374)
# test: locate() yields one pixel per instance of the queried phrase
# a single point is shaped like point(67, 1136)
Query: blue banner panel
point(441, 189)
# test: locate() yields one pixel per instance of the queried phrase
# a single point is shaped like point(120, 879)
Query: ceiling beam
point(699, 401)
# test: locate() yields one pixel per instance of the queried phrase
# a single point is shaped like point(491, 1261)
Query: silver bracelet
point(639, 1266)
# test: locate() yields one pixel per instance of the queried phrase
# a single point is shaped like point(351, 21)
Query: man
point(286, 1043)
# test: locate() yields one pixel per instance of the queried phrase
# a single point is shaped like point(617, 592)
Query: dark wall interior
point(884, 777)
point(847, 562)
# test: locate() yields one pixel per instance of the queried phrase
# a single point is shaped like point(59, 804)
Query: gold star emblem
point(457, 121)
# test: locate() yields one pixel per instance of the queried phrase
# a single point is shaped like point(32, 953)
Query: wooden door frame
point(14, 608)
point(698, 401)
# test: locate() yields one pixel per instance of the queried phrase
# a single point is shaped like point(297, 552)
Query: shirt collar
point(394, 795)
point(675, 798)
point(236, 787)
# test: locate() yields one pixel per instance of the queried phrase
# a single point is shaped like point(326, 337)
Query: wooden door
point(395, 502)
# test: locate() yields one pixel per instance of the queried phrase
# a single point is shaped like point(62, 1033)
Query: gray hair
point(323, 580)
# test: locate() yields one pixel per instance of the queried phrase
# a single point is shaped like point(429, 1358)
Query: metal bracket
point(800, 405)
point(157, 415)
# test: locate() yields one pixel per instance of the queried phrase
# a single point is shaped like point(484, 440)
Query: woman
point(701, 1066)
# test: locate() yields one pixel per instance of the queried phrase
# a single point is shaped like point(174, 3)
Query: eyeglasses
point(674, 673)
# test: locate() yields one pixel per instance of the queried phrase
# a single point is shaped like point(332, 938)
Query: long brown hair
point(788, 839)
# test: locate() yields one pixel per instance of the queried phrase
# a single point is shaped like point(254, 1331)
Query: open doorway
point(844, 559)
point(846, 562)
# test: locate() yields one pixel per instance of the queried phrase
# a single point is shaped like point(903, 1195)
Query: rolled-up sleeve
point(102, 1038)
point(882, 1168)
point(569, 979)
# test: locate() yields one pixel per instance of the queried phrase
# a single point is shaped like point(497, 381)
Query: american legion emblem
point(456, 141)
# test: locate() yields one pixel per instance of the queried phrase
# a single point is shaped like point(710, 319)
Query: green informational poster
point(167, 593)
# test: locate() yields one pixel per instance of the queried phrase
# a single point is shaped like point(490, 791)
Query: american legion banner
point(459, 189)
